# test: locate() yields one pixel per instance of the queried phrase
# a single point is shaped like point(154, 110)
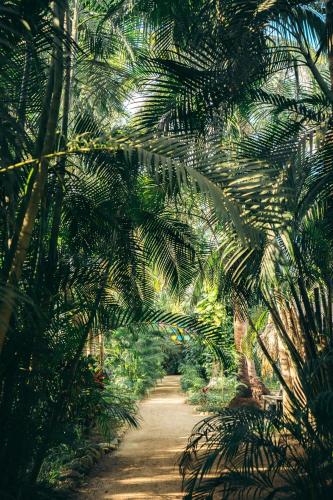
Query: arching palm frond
point(114, 317)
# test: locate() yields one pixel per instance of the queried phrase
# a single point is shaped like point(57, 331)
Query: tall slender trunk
point(326, 88)
point(101, 349)
point(11, 181)
point(251, 388)
point(240, 330)
point(258, 388)
point(297, 82)
point(286, 371)
point(71, 26)
point(329, 31)
point(23, 94)
point(329, 320)
point(25, 232)
point(90, 343)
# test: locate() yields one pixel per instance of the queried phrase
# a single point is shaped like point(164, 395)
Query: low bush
point(99, 407)
point(207, 396)
point(190, 379)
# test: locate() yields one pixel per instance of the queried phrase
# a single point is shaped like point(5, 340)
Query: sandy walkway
point(144, 466)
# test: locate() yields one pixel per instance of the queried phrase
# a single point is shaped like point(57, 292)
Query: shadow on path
point(144, 467)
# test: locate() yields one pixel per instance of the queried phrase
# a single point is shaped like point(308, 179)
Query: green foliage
point(135, 360)
point(235, 102)
point(190, 379)
point(249, 453)
point(56, 459)
point(100, 404)
point(209, 383)
point(211, 309)
point(207, 398)
point(173, 356)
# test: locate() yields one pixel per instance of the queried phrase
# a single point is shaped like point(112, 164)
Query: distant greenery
point(200, 366)
point(205, 399)
point(136, 359)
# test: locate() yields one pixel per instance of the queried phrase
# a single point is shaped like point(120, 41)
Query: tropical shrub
point(96, 406)
point(249, 453)
point(208, 398)
point(191, 379)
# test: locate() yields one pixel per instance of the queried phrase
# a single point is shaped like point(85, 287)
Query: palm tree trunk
point(71, 27)
point(101, 349)
point(326, 88)
point(240, 330)
point(258, 388)
point(329, 29)
point(23, 94)
point(251, 388)
point(285, 369)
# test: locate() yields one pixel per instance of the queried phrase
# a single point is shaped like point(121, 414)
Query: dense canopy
point(166, 181)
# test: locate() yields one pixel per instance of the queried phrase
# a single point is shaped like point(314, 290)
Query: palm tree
point(265, 183)
point(272, 188)
point(80, 234)
point(86, 230)
point(87, 210)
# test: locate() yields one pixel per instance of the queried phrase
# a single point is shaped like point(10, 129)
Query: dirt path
point(144, 467)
